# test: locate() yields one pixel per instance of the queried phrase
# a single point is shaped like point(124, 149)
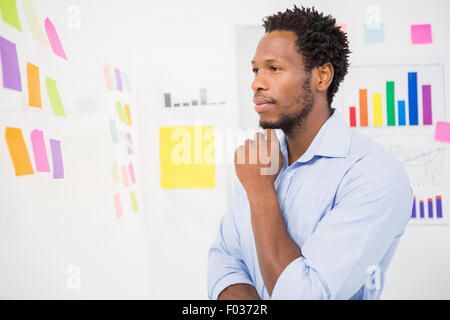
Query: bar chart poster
point(426, 164)
point(408, 97)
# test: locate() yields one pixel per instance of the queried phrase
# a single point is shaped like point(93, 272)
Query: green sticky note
point(121, 112)
point(9, 13)
point(133, 202)
point(55, 99)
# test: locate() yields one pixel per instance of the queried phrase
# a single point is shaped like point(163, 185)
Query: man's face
point(282, 92)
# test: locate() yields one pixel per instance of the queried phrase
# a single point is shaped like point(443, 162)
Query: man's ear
point(326, 74)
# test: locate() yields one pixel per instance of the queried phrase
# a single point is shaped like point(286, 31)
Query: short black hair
point(319, 41)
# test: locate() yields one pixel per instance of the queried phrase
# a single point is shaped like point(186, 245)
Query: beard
point(288, 122)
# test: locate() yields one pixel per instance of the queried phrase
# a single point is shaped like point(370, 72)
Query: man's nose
point(259, 83)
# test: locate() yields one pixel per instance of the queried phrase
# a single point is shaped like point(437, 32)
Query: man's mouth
point(262, 104)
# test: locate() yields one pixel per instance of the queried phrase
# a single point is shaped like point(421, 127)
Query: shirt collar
point(332, 140)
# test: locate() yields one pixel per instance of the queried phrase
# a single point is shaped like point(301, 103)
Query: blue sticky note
point(374, 33)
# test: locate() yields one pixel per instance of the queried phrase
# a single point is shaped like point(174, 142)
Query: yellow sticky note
point(121, 112)
point(55, 98)
point(187, 157)
point(128, 114)
point(133, 202)
point(9, 13)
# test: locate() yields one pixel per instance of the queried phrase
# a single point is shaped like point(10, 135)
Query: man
point(325, 222)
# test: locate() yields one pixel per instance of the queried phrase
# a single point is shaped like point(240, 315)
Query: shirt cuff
point(228, 281)
point(299, 281)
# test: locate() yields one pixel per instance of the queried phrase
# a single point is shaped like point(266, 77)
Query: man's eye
point(274, 68)
point(255, 70)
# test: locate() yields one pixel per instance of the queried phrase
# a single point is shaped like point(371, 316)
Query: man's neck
point(300, 138)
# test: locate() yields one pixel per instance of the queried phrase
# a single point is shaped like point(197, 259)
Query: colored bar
point(34, 86)
point(390, 103)
point(128, 114)
point(18, 151)
point(412, 99)
point(352, 116)
point(203, 97)
point(58, 166)
point(426, 103)
point(134, 202)
point(167, 100)
point(377, 110)
point(10, 65)
point(422, 209)
point(438, 207)
point(363, 113)
point(401, 113)
point(39, 151)
point(430, 208)
point(413, 215)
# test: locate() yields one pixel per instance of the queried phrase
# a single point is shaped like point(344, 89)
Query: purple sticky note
point(58, 166)
point(39, 151)
point(10, 65)
point(130, 142)
point(118, 80)
point(421, 34)
point(442, 132)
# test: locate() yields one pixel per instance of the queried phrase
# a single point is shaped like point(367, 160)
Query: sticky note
point(18, 151)
point(187, 157)
point(115, 173)
point(55, 98)
point(442, 131)
point(121, 112)
point(34, 86)
point(421, 34)
point(126, 82)
point(54, 40)
point(343, 26)
point(118, 80)
point(10, 65)
point(9, 13)
point(58, 166)
point(113, 130)
point(132, 176)
point(118, 206)
point(133, 202)
point(126, 182)
point(128, 114)
point(39, 151)
point(374, 33)
point(107, 72)
point(33, 22)
point(128, 141)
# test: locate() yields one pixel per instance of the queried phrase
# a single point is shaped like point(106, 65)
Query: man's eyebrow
point(267, 61)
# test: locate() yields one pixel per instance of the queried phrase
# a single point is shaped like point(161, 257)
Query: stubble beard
point(288, 122)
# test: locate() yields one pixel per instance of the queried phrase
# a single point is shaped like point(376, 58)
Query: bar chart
point(429, 208)
point(395, 96)
point(200, 100)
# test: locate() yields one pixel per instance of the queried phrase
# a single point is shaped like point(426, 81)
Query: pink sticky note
point(421, 33)
point(126, 182)
point(39, 150)
point(442, 132)
point(118, 206)
point(131, 169)
point(108, 77)
point(54, 40)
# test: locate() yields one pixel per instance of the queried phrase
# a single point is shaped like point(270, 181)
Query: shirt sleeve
point(225, 264)
point(372, 208)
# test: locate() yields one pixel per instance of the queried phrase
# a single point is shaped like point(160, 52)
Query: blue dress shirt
point(346, 202)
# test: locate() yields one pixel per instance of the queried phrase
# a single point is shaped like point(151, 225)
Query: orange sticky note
point(34, 87)
point(18, 151)
point(126, 182)
point(127, 112)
